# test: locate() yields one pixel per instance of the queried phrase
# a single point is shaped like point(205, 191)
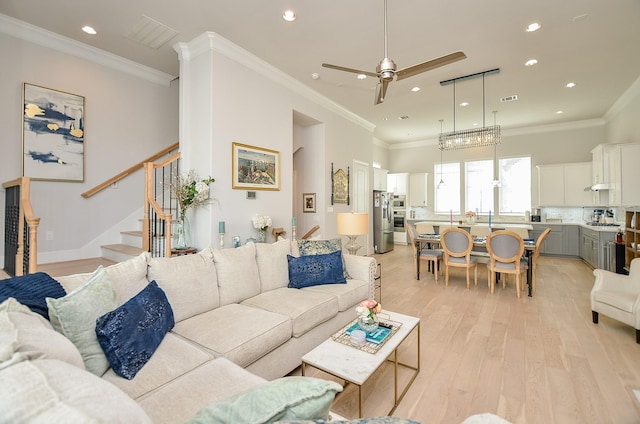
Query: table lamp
point(352, 225)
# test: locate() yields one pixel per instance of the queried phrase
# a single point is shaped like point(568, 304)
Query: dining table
point(428, 241)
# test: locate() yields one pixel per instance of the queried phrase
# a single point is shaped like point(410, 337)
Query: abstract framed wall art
point(52, 134)
point(255, 168)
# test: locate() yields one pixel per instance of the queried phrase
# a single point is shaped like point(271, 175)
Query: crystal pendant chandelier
point(475, 137)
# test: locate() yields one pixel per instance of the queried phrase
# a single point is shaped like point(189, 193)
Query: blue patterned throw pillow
point(130, 334)
point(313, 270)
point(320, 247)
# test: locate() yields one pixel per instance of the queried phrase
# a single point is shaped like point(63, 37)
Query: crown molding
point(211, 41)
point(624, 100)
point(43, 37)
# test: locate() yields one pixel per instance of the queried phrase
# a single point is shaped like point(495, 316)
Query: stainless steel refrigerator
point(382, 221)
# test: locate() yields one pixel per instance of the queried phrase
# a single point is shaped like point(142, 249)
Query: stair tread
point(124, 248)
point(132, 233)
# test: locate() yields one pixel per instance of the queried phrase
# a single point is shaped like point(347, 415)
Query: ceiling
point(593, 43)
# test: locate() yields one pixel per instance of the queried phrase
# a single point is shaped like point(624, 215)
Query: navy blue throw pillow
point(130, 334)
point(313, 270)
point(31, 290)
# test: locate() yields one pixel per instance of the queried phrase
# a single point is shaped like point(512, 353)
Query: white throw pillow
point(237, 270)
point(51, 391)
point(190, 283)
point(28, 334)
point(272, 264)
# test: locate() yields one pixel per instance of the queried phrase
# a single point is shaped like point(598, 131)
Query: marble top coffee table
point(355, 366)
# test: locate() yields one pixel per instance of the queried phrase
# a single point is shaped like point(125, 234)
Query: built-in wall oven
point(399, 218)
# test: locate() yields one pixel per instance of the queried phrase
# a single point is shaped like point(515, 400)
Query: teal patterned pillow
point(287, 398)
point(74, 315)
point(321, 247)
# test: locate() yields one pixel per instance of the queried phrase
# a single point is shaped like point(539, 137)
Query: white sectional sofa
point(237, 325)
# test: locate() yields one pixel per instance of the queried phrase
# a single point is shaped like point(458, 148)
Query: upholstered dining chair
point(536, 254)
point(618, 296)
point(456, 246)
point(505, 249)
point(433, 256)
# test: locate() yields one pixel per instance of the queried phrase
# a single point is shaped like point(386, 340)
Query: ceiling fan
point(386, 69)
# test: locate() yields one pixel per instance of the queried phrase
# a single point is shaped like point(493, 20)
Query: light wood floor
point(529, 360)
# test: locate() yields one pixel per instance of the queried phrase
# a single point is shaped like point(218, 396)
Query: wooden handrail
point(132, 169)
point(310, 232)
point(150, 202)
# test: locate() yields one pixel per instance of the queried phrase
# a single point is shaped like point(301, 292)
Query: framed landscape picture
point(309, 202)
point(255, 168)
point(52, 134)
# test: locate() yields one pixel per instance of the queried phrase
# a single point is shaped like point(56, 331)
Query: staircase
point(130, 247)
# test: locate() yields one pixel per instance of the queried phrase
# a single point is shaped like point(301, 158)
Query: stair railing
point(20, 229)
point(159, 205)
point(131, 170)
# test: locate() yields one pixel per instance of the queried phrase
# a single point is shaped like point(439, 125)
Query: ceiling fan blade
point(381, 91)
point(355, 71)
point(427, 66)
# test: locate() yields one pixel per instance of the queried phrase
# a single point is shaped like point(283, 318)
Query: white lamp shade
point(353, 224)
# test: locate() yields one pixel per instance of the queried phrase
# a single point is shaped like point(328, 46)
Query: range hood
point(597, 187)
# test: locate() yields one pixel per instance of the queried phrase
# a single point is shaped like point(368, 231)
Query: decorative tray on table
point(373, 341)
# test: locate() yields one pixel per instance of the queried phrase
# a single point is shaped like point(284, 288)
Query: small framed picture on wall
point(309, 202)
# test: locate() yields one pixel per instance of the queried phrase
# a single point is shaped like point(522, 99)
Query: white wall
point(127, 120)
point(251, 102)
point(622, 119)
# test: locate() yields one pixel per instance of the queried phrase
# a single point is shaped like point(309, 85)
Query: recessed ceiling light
point(415, 89)
point(464, 104)
point(560, 112)
point(571, 85)
point(531, 62)
point(533, 27)
point(475, 124)
point(580, 17)
point(89, 30)
point(315, 76)
point(361, 76)
point(289, 15)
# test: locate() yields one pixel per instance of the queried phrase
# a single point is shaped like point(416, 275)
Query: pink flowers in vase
point(368, 308)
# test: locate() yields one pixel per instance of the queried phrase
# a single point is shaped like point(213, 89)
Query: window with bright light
point(515, 185)
point(447, 188)
point(478, 186)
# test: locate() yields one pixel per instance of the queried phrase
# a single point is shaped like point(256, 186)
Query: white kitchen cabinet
point(550, 185)
point(380, 179)
point(418, 189)
point(563, 184)
point(600, 164)
point(397, 183)
point(624, 175)
point(400, 237)
point(576, 178)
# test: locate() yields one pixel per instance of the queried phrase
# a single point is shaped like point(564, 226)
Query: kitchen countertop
point(528, 225)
